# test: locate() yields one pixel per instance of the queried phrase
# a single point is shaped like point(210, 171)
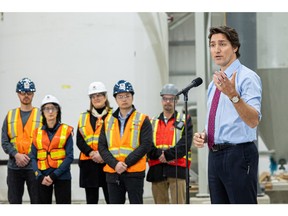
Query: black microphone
point(196, 82)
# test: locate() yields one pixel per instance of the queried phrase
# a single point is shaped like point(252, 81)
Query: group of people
point(115, 145)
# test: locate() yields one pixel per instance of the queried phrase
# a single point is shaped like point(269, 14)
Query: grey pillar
point(245, 25)
point(200, 50)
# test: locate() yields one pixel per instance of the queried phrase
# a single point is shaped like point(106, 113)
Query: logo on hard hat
point(122, 86)
point(26, 84)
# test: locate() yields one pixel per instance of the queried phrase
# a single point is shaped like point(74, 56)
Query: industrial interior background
point(64, 52)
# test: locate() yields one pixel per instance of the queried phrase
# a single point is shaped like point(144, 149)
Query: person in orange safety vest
point(167, 158)
point(17, 131)
point(52, 154)
point(91, 164)
point(124, 141)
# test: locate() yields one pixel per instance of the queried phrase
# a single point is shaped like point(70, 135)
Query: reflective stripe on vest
point(20, 136)
point(121, 147)
point(155, 126)
point(51, 153)
point(91, 138)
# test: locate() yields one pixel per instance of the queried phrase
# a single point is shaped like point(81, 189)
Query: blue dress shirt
point(229, 127)
point(122, 121)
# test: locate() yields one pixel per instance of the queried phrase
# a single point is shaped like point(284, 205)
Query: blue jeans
point(233, 174)
point(16, 180)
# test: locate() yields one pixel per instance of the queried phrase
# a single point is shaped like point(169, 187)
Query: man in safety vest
point(17, 131)
point(167, 158)
point(125, 138)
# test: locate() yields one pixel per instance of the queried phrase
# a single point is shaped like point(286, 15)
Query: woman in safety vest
point(91, 163)
point(52, 154)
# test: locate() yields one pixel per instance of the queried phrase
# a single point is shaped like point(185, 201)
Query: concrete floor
point(193, 200)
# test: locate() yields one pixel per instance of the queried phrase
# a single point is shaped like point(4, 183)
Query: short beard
point(26, 103)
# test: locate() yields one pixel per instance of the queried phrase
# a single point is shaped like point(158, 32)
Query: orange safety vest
point(91, 138)
point(51, 153)
point(164, 138)
point(121, 147)
point(21, 137)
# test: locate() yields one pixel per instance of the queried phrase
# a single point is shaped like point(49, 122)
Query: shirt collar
point(128, 114)
point(232, 68)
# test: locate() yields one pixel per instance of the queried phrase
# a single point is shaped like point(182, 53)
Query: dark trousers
point(62, 190)
point(233, 175)
point(16, 180)
point(92, 195)
point(134, 186)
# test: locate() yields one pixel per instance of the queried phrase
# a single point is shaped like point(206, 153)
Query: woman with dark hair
point(52, 154)
point(91, 164)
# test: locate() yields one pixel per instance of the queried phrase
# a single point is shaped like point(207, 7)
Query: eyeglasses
point(123, 97)
point(166, 99)
point(26, 93)
point(94, 96)
point(48, 109)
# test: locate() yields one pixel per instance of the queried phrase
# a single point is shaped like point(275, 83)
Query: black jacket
point(91, 173)
point(133, 157)
point(162, 171)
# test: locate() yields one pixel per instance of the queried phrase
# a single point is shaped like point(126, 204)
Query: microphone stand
point(185, 93)
point(176, 156)
point(198, 81)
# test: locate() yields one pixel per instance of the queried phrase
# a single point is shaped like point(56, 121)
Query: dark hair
point(230, 34)
point(58, 118)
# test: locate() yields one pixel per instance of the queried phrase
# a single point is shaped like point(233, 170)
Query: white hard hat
point(96, 87)
point(50, 99)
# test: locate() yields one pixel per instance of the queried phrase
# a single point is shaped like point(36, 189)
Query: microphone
point(196, 82)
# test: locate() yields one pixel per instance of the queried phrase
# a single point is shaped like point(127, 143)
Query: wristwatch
point(235, 99)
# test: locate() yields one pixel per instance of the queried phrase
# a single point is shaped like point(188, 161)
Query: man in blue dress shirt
point(231, 123)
